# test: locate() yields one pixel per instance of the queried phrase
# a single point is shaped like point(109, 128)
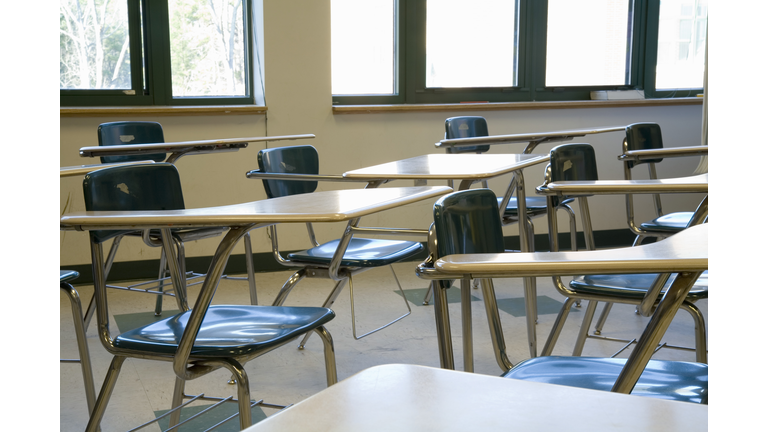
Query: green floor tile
point(416, 296)
point(127, 322)
point(210, 418)
point(516, 306)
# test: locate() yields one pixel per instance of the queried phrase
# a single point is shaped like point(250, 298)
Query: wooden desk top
point(203, 146)
point(690, 184)
point(685, 251)
point(82, 170)
point(448, 167)
point(639, 155)
point(539, 137)
point(417, 398)
point(326, 206)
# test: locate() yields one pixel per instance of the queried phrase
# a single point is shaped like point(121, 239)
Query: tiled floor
point(287, 375)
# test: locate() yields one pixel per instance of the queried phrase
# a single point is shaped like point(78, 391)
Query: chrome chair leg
point(494, 324)
point(176, 401)
point(699, 330)
point(557, 327)
point(288, 286)
point(603, 318)
point(327, 304)
point(589, 313)
point(104, 395)
point(160, 276)
point(330, 355)
point(249, 268)
point(82, 344)
point(243, 391)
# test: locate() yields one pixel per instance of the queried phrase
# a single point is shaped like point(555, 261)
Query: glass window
point(207, 47)
point(94, 45)
point(587, 43)
point(157, 52)
point(682, 36)
point(363, 47)
point(471, 44)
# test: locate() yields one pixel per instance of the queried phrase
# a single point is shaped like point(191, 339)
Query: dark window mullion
point(158, 52)
point(136, 50)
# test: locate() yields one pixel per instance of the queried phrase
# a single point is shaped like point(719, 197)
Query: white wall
point(298, 96)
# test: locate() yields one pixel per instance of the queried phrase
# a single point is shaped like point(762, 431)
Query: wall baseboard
point(264, 262)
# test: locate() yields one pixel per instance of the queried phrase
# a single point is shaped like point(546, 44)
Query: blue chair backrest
point(572, 162)
point(466, 127)
point(301, 159)
point(131, 132)
point(644, 136)
point(468, 222)
point(132, 187)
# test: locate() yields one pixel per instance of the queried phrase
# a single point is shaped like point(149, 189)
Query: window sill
point(162, 111)
point(497, 106)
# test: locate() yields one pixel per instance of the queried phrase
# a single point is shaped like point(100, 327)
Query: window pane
point(93, 51)
point(682, 36)
point(362, 47)
point(471, 44)
point(207, 47)
point(587, 42)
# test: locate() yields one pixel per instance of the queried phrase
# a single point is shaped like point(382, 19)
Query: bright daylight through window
point(587, 43)
point(471, 46)
point(363, 47)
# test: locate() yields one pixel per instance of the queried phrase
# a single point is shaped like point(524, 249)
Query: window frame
point(532, 36)
point(150, 44)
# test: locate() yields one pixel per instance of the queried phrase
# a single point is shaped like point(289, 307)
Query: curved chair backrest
point(131, 132)
point(466, 127)
point(301, 159)
point(468, 221)
point(643, 136)
point(132, 187)
point(572, 162)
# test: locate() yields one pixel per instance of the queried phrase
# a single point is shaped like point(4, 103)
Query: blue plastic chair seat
point(227, 331)
point(673, 222)
point(671, 380)
point(361, 252)
point(633, 286)
point(67, 275)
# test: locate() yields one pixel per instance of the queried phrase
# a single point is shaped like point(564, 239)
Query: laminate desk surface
point(326, 206)
point(533, 139)
point(448, 167)
point(682, 252)
point(417, 398)
point(690, 184)
point(180, 148)
point(81, 170)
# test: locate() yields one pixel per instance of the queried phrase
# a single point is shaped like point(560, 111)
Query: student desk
point(469, 168)
point(408, 398)
point(684, 253)
point(532, 139)
point(182, 148)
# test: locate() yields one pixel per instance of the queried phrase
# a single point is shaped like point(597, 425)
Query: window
point(452, 51)
point(157, 52)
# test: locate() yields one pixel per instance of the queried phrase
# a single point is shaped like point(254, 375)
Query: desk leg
point(466, 325)
point(443, 324)
point(526, 245)
point(654, 331)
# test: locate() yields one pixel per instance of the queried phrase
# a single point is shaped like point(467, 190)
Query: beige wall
point(298, 96)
